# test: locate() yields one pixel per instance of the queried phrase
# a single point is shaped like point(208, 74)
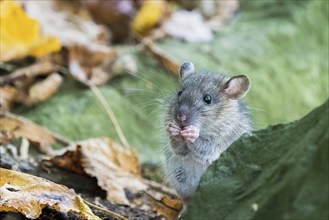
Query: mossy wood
point(277, 173)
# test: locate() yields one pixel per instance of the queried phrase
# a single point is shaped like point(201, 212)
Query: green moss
point(283, 170)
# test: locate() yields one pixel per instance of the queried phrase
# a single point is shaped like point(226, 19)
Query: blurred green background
point(281, 45)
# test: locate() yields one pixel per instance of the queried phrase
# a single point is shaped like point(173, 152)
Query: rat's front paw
point(190, 133)
point(174, 131)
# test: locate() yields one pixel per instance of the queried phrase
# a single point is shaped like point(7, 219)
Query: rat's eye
point(180, 92)
point(207, 98)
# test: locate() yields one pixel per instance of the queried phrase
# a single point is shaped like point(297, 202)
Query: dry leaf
point(115, 167)
point(116, 15)
point(148, 16)
point(123, 65)
point(24, 90)
point(70, 159)
point(118, 169)
point(42, 90)
point(33, 70)
point(168, 213)
point(29, 194)
point(24, 39)
point(69, 28)
point(90, 65)
point(218, 13)
point(167, 62)
point(21, 127)
point(8, 96)
point(6, 137)
point(188, 26)
point(172, 202)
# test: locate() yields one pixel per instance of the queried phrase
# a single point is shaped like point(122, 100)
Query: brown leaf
point(42, 90)
point(69, 159)
point(6, 137)
point(67, 26)
point(9, 95)
point(172, 202)
point(118, 169)
point(167, 62)
point(89, 65)
point(164, 205)
point(21, 127)
point(28, 195)
point(29, 71)
point(117, 15)
point(115, 167)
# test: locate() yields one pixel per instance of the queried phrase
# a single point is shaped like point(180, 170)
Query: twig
point(113, 214)
point(110, 113)
point(24, 149)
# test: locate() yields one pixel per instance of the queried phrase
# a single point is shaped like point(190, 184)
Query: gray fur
point(220, 124)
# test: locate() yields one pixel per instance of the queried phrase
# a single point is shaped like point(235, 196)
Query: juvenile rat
point(202, 120)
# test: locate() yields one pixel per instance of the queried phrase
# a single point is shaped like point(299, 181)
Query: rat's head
point(204, 96)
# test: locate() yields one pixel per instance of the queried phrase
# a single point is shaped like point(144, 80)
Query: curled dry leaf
point(166, 206)
point(42, 90)
point(167, 62)
point(29, 194)
point(19, 86)
point(29, 71)
point(90, 65)
point(24, 39)
point(9, 95)
point(117, 15)
point(69, 28)
point(123, 65)
point(182, 23)
point(115, 167)
point(117, 170)
point(21, 127)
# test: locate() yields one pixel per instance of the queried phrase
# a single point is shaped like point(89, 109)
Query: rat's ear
point(237, 87)
point(186, 68)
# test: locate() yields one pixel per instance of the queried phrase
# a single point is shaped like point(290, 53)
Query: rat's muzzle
point(181, 117)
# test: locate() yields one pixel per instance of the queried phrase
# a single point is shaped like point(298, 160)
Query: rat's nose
point(181, 117)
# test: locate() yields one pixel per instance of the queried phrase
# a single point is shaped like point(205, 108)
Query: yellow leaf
point(20, 35)
point(148, 16)
point(29, 194)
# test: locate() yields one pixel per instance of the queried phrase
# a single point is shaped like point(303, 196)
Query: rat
point(202, 120)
